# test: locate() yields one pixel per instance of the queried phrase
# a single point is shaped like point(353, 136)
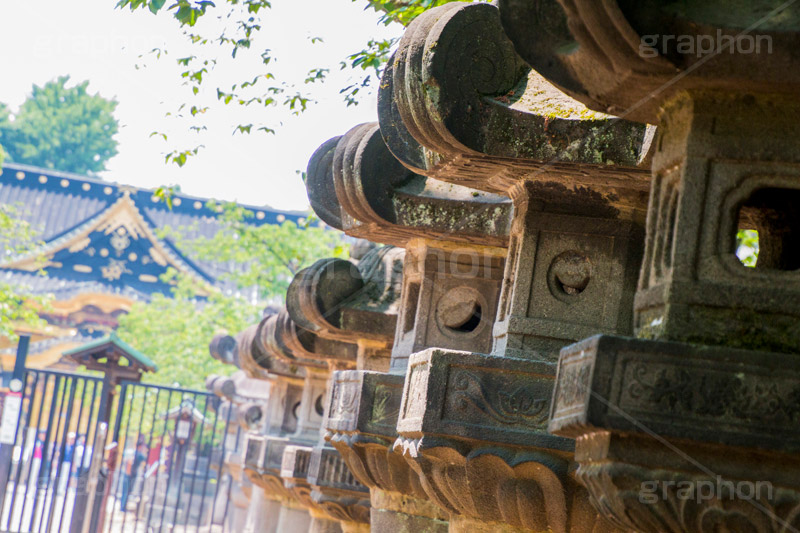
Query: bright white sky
point(90, 40)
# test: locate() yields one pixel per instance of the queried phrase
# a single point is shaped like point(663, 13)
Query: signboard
point(12, 404)
point(183, 429)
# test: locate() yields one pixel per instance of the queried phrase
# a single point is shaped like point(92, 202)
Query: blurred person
point(130, 469)
point(36, 459)
point(65, 462)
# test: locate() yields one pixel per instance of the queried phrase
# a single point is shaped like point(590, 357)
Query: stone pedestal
point(320, 524)
point(680, 437)
point(362, 427)
point(395, 511)
point(474, 427)
point(335, 492)
point(263, 514)
point(293, 518)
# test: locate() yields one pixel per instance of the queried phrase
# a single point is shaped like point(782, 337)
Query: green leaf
point(156, 5)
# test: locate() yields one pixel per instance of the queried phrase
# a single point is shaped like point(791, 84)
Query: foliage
point(175, 330)
point(747, 247)
point(18, 306)
point(268, 255)
point(242, 26)
point(404, 11)
point(62, 128)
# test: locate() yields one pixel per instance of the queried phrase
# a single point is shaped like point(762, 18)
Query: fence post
point(10, 416)
point(98, 450)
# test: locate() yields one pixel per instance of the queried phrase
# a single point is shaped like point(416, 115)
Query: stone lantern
point(679, 424)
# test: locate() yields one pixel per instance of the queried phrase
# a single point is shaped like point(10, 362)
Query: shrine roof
point(111, 343)
point(106, 235)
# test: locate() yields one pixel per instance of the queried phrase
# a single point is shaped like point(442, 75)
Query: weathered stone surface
point(670, 436)
point(571, 272)
point(355, 303)
point(294, 471)
point(335, 491)
point(380, 200)
point(677, 390)
point(296, 346)
point(457, 104)
point(332, 299)
point(364, 402)
point(478, 398)
point(623, 58)
point(222, 386)
point(252, 357)
point(262, 464)
point(401, 513)
point(321, 192)
point(641, 484)
point(724, 162)
point(295, 462)
point(249, 415)
point(450, 296)
point(474, 427)
point(248, 352)
point(362, 424)
point(223, 349)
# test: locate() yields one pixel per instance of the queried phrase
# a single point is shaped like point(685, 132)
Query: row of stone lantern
point(560, 323)
point(339, 314)
point(509, 259)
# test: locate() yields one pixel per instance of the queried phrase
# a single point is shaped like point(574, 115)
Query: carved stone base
point(335, 492)
point(473, 427)
point(461, 524)
point(362, 427)
point(644, 485)
point(398, 513)
point(355, 527)
point(263, 514)
point(674, 437)
point(320, 524)
point(293, 517)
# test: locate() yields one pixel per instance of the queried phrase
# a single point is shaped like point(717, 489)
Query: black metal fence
point(172, 445)
point(58, 416)
point(169, 444)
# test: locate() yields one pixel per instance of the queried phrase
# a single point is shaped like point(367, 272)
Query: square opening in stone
point(768, 230)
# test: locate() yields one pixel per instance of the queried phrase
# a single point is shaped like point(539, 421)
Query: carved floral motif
point(712, 393)
point(520, 405)
point(382, 411)
point(622, 493)
point(573, 385)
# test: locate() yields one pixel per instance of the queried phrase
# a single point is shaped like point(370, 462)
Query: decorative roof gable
point(112, 354)
point(98, 232)
point(117, 244)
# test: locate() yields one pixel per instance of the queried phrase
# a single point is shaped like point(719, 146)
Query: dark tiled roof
point(64, 289)
point(67, 208)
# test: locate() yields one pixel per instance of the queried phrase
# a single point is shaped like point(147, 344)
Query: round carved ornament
point(460, 311)
point(569, 275)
